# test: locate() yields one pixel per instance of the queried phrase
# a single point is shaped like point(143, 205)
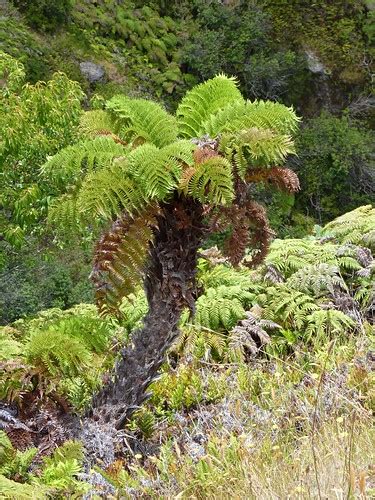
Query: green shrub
point(334, 166)
point(45, 15)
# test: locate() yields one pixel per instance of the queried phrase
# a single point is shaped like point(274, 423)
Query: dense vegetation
point(235, 299)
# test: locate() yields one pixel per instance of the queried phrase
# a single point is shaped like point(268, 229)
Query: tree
point(35, 121)
point(161, 184)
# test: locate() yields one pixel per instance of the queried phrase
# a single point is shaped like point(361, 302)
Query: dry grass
point(231, 468)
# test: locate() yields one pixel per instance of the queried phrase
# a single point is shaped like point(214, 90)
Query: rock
point(314, 64)
point(94, 73)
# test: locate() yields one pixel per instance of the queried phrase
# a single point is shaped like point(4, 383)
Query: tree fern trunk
point(169, 286)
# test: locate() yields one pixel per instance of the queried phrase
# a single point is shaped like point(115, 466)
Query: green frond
point(97, 122)
point(62, 476)
point(133, 309)
point(258, 114)
point(255, 147)
point(158, 170)
point(355, 227)
point(70, 450)
point(328, 322)
point(93, 332)
point(47, 349)
point(212, 182)
point(141, 121)
point(290, 255)
point(14, 463)
point(222, 307)
point(9, 347)
point(289, 308)
point(63, 212)
point(67, 166)
point(108, 192)
point(317, 280)
point(202, 101)
point(200, 343)
point(222, 274)
point(21, 491)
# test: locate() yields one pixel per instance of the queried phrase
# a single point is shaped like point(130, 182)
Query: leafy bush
point(63, 351)
point(45, 15)
point(36, 120)
point(335, 166)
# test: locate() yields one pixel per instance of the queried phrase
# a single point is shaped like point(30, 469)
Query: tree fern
point(171, 164)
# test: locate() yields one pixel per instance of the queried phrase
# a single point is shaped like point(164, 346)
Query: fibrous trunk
point(169, 287)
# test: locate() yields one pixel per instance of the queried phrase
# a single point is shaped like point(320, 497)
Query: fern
point(212, 182)
point(356, 227)
point(242, 115)
point(120, 259)
point(67, 166)
point(19, 491)
point(14, 463)
point(63, 476)
point(47, 349)
point(249, 336)
point(328, 322)
point(317, 279)
point(287, 307)
point(9, 347)
point(225, 275)
point(201, 343)
point(133, 308)
point(288, 256)
point(143, 121)
point(255, 147)
point(145, 422)
point(204, 100)
point(222, 307)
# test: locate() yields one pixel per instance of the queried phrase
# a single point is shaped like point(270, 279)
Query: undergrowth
point(268, 392)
